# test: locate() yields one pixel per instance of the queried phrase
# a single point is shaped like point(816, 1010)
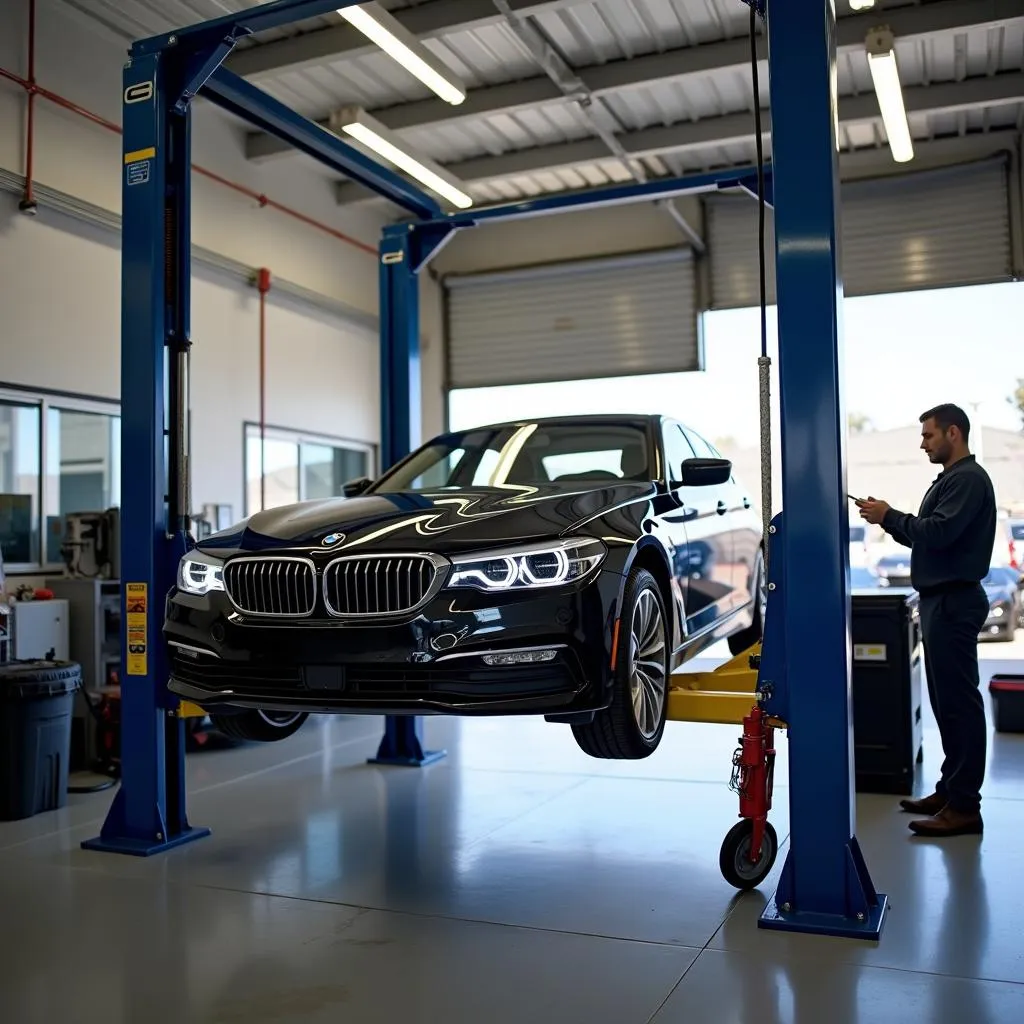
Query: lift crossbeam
point(611, 195)
point(241, 98)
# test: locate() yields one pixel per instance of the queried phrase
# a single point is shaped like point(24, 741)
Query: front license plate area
point(324, 677)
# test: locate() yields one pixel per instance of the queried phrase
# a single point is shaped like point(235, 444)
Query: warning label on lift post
point(137, 612)
point(137, 165)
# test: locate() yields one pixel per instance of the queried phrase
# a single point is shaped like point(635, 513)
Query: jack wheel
point(734, 860)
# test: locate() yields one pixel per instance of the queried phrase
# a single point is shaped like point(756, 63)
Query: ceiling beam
point(342, 42)
point(912, 23)
point(983, 91)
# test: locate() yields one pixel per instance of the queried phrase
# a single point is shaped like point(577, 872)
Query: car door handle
point(746, 503)
point(722, 508)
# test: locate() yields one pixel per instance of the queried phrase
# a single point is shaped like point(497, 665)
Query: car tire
point(632, 725)
point(754, 633)
point(260, 726)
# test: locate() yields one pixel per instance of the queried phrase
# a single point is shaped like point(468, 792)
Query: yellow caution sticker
point(869, 652)
point(137, 611)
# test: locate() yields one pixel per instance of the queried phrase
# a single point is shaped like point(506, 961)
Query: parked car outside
point(863, 577)
point(858, 544)
point(1005, 590)
point(1015, 543)
point(894, 569)
point(561, 566)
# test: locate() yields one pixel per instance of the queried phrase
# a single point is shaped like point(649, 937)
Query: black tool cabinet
point(888, 667)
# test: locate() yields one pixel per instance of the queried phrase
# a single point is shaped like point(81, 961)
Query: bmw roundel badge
point(332, 538)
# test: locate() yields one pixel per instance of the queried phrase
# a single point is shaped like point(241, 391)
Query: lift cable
point(764, 362)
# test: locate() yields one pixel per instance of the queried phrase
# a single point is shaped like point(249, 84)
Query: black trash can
point(36, 706)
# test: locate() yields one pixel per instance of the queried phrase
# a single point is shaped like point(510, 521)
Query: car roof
point(626, 419)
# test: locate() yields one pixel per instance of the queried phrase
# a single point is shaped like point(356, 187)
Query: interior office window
point(83, 468)
point(326, 468)
point(281, 468)
point(299, 468)
point(20, 470)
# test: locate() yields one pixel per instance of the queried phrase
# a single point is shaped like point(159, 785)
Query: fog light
point(519, 657)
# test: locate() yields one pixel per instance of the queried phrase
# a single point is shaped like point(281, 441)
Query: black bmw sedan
point(563, 566)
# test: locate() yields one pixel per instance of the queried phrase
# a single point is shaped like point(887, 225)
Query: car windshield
point(527, 454)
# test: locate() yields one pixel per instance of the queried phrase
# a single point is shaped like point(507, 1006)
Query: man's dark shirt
point(952, 537)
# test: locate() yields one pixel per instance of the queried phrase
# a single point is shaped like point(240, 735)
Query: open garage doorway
point(903, 354)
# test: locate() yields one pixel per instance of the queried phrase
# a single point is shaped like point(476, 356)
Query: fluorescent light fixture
point(402, 46)
point(861, 5)
point(886, 78)
point(355, 122)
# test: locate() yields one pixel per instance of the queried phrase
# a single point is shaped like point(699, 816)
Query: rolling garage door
point(574, 321)
point(932, 229)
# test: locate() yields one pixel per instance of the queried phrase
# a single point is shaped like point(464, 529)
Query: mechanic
point(951, 541)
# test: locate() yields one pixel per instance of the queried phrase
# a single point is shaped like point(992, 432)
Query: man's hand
point(873, 510)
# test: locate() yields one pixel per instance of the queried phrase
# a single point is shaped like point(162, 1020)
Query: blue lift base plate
point(827, 924)
point(429, 757)
point(143, 847)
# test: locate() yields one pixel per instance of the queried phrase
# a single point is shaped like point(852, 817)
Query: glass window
point(677, 451)
point(326, 469)
point(527, 455)
point(83, 468)
point(280, 467)
point(700, 446)
point(20, 465)
point(299, 468)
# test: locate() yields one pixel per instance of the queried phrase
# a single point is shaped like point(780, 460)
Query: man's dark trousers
point(950, 624)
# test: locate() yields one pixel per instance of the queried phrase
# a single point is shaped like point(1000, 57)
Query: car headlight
point(200, 574)
point(549, 564)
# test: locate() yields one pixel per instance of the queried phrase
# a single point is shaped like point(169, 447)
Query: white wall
point(60, 279)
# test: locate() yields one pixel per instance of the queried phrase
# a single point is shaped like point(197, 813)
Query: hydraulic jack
point(751, 845)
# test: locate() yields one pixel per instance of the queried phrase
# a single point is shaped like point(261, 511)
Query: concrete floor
point(516, 881)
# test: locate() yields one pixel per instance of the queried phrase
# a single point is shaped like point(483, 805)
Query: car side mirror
point(705, 472)
point(353, 488)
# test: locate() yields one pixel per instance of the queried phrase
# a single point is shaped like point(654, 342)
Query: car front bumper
point(433, 662)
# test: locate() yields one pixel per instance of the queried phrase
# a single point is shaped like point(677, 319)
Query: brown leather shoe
point(926, 805)
point(948, 823)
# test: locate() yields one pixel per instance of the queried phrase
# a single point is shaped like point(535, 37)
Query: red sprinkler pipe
point(263, 284)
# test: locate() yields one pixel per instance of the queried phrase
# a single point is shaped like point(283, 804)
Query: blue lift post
point(163, 75)
point(825, 886)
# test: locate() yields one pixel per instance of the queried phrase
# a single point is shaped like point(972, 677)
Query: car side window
point(677, 451)
point(702, 449)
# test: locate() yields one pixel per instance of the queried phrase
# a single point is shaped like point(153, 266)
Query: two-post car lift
point(803, 671)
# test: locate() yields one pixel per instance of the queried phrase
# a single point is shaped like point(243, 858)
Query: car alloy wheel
point(259, 725)
point(279, 719)
point(632, 724)
point(647, 664)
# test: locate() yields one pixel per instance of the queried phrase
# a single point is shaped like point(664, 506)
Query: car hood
point(450, 521)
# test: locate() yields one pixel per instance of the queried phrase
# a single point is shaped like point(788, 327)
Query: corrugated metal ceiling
point(592, 33)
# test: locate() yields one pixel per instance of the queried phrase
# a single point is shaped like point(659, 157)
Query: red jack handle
point(756, 764)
